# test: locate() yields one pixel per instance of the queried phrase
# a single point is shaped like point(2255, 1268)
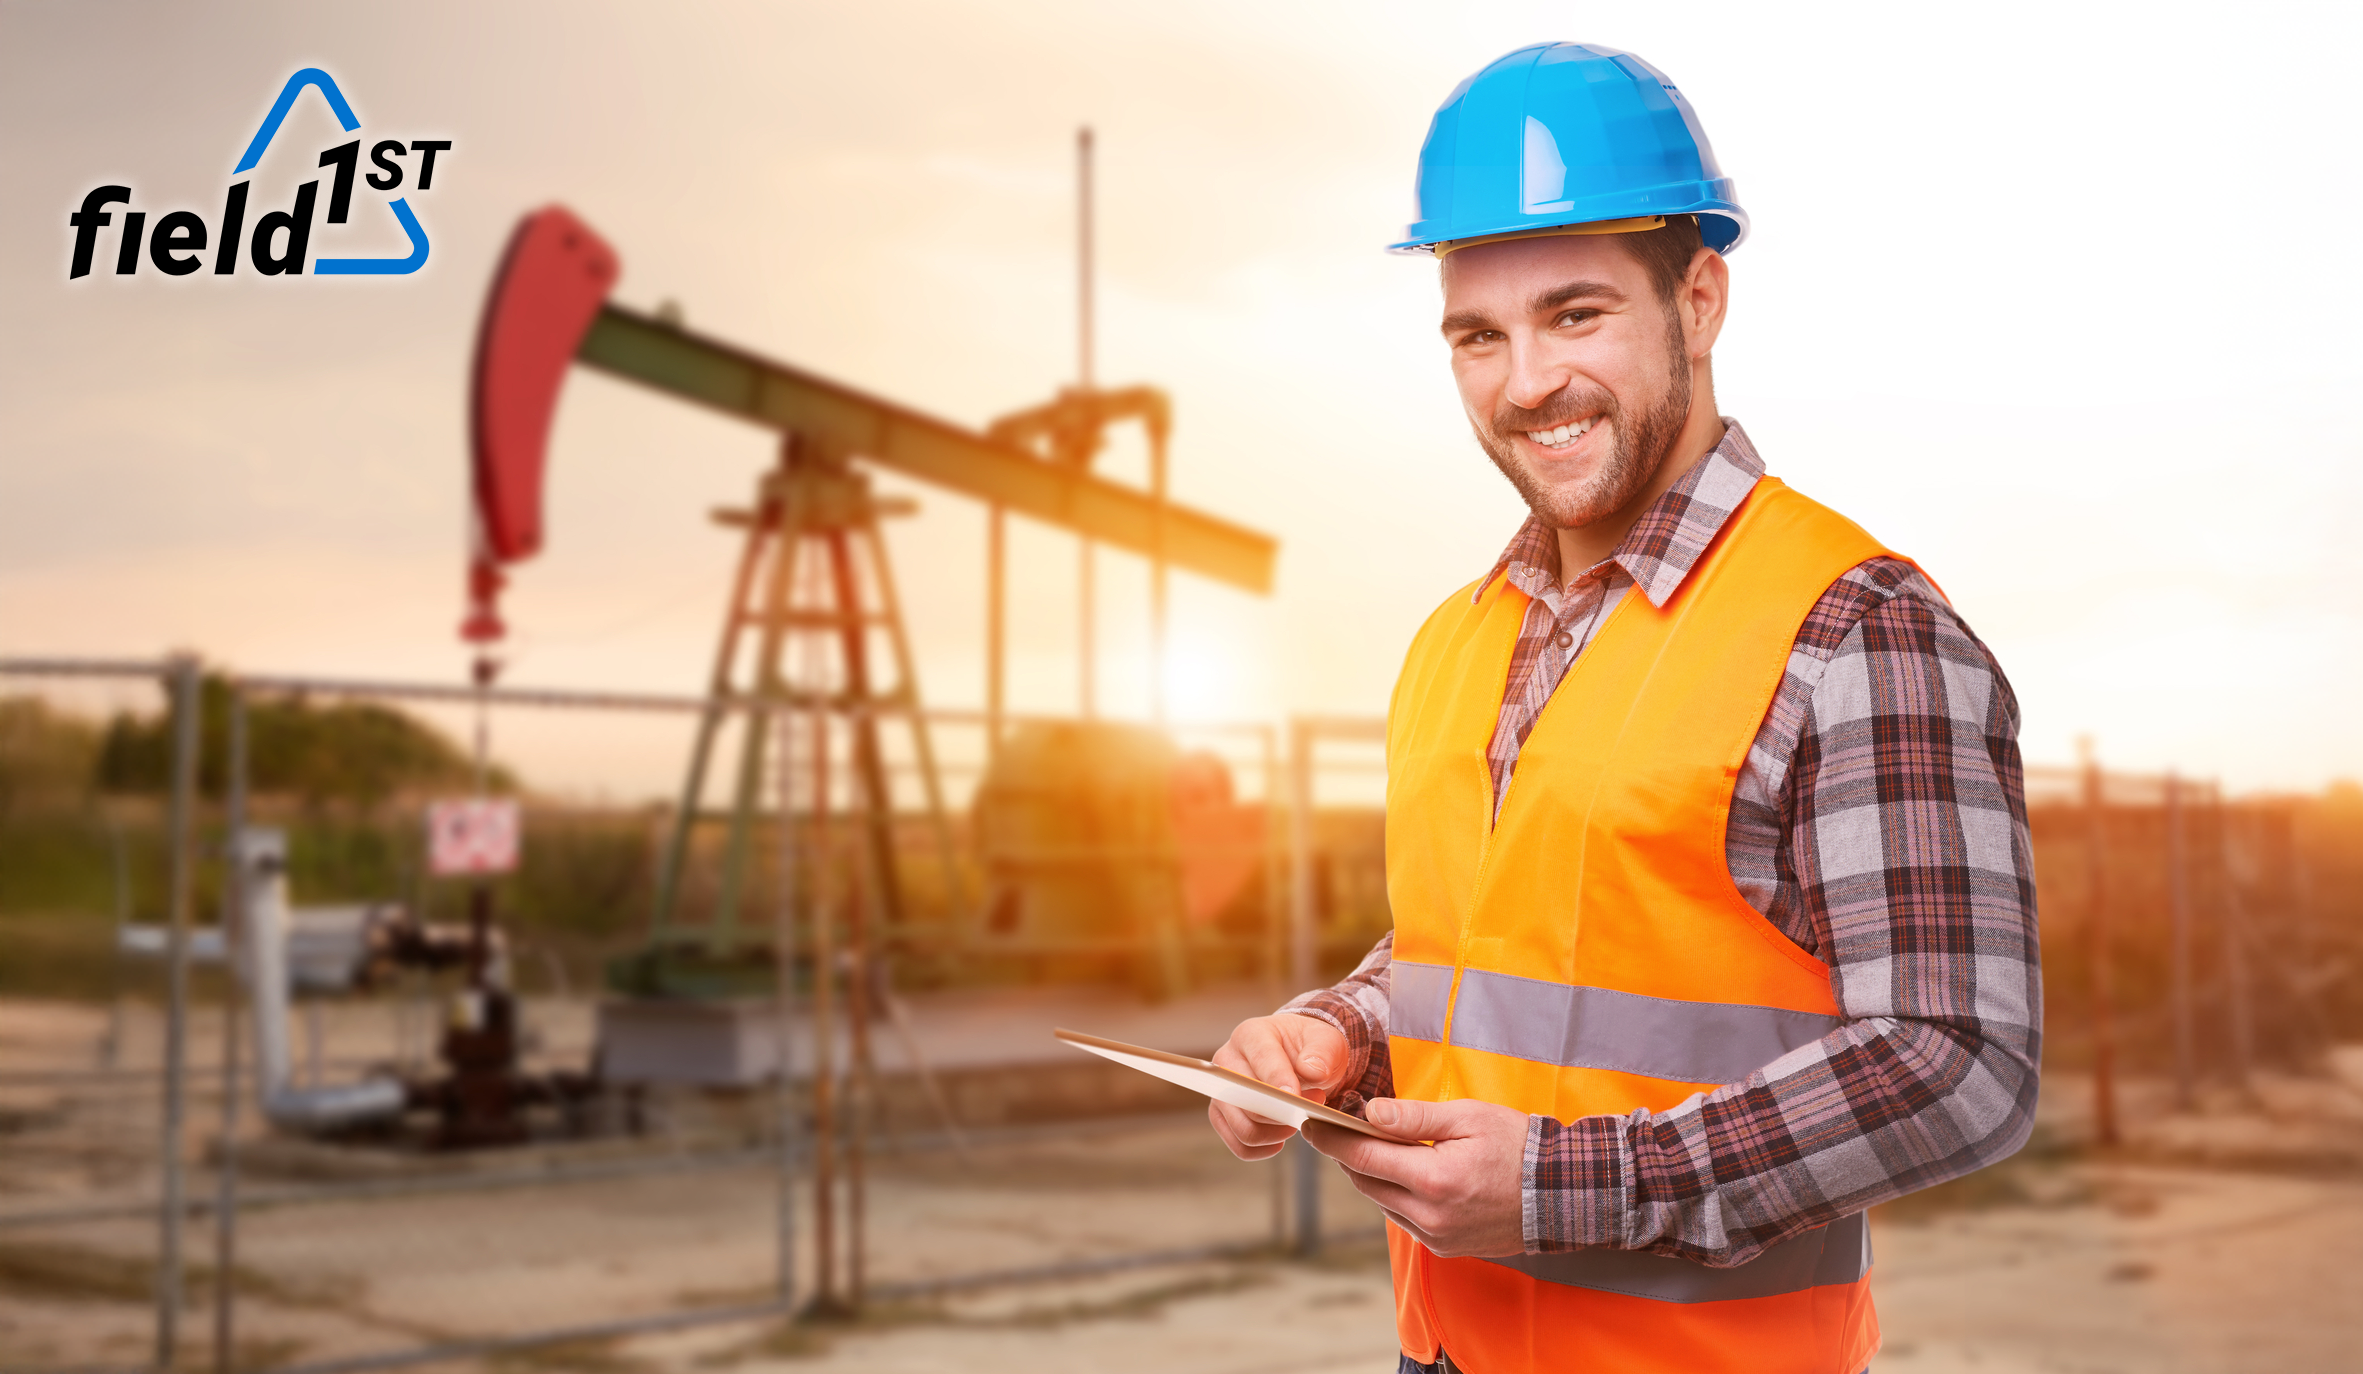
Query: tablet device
point(1249, 1095)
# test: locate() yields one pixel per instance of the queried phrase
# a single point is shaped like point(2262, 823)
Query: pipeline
point(262, 853)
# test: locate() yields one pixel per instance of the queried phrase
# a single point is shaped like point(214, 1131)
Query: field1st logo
point(279, 244)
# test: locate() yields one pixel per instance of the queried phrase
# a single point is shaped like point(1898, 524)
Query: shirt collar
point(1667, 541)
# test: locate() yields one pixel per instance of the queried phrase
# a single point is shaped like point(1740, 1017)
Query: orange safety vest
point(1588, 954)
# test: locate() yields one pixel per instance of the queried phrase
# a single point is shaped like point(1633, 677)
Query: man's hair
point(1665, 253)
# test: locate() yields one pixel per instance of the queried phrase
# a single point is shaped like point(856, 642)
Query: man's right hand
point(1303, 1054)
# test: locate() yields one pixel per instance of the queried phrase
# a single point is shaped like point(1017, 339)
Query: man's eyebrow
point(1556, 296)
point(1547, 299)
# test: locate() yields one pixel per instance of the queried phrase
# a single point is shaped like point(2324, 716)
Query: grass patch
point(814, 1334)
point(63, 956)
point(52, 1269)
point(72, 958)
point(791, 1340)
point(598, 1356)
point(267, 1352)
point(1139, 1305)
point(46, 1269)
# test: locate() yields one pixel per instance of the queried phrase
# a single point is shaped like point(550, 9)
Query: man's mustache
point(1564, 409)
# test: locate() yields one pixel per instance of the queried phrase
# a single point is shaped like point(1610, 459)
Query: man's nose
point(1534, 378)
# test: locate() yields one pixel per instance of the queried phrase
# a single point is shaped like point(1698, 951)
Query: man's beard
point(1642, 442)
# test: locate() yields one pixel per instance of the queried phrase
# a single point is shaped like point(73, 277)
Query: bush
point(357, 752)
point(45, 756)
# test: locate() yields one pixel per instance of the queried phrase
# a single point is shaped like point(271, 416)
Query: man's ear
point(1702, 301)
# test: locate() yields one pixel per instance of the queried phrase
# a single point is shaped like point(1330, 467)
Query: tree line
point(352, 752)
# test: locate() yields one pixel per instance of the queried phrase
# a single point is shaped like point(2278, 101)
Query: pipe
point(262, 856)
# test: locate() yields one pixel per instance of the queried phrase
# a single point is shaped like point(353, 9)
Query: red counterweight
point(553, 278)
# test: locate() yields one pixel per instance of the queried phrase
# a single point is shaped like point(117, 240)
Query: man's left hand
point(1460, 1196)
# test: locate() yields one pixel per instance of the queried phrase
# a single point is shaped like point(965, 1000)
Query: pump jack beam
point(838, 418)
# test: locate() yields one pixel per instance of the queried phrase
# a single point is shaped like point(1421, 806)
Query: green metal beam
point(738, 383)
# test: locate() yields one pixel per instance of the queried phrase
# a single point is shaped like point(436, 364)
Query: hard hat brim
point(1722, 224)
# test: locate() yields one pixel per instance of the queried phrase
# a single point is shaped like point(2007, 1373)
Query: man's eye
point(1578, 317)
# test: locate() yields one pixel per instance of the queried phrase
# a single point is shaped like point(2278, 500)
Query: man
point(1706, 841)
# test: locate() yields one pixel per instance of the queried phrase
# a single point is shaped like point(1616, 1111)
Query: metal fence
point(153, 1259)
point(151, 1216)
point(675, 1206)
point(2188, 937)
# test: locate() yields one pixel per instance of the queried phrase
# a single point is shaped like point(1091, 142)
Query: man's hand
point(1303, 1054)
point(1461, 1196)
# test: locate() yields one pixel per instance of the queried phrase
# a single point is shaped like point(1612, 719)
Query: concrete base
point(735, 1043)
point(719, 1044)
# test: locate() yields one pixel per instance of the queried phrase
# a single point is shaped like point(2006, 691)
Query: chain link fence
point(166, 1203)
point(2193, 941)
point(182, 1191)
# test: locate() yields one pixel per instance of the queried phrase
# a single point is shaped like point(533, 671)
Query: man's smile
point(1561, 438)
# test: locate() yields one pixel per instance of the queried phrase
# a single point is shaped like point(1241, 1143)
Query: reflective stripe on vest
point(1708, 1043)
point(1837, 1253)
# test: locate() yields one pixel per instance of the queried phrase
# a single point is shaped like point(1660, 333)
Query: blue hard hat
point(1567, 133)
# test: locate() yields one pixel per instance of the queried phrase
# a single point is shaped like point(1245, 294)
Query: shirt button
point(1566, 639)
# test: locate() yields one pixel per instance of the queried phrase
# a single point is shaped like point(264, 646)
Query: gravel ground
point(2198, 1249)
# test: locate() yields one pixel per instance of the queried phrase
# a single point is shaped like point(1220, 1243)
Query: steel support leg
point(1308, 1196)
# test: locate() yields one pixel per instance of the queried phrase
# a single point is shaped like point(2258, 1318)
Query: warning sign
point(473, 836)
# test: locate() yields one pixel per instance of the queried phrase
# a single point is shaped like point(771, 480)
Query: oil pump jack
point(813, 594)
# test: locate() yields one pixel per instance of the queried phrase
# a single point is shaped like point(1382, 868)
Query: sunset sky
point(2055, 298)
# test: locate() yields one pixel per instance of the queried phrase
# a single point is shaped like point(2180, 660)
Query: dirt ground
point(2114, 1270)
point(2229, 1239)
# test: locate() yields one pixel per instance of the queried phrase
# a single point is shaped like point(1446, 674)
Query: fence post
point(1272, 959)
point(1304, 954)
point(1304, 965)
point(186, 705)
point(2235, 919)
point(2104, 1027)
point(1277, 911)
point(225, 1190)
point(2178, 891)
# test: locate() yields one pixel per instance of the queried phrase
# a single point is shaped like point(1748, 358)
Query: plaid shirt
point(1880, 823)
